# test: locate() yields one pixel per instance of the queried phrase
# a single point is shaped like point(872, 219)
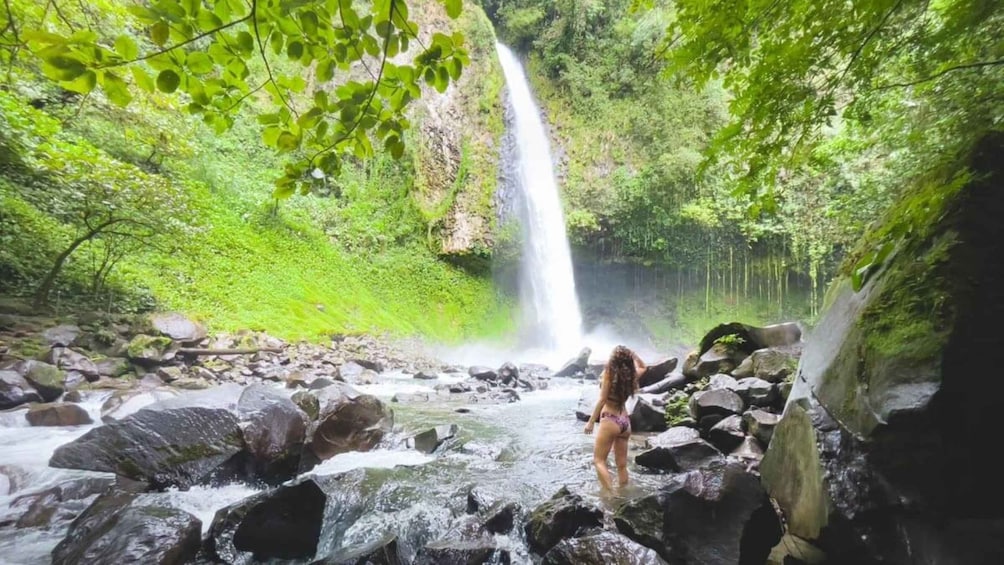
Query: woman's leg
point(620, 457)
point(606, 432)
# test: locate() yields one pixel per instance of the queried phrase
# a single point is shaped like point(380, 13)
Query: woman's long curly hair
point(622, 373)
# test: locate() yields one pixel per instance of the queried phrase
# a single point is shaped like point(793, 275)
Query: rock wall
point(881, 453)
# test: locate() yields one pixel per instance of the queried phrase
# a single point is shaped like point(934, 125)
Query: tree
point(206, 50)
point(930, 73)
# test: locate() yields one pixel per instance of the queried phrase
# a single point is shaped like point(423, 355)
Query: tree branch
point(938, 75)
point(867, 40)
point(182, 44)
point(264, 58)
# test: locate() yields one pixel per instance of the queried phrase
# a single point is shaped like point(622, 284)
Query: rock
point(52, 505)
point(665, 385)
point(483, 373)
point(761, 424)
point(772, 365)
point(559, 518)
point(61, 336)
point(15, 390)
point(501, 518)
point(308, 403)
point(727, 434)
point(322, 382)
point(756, 392)
point(347, 421)
point(748, 450)
point(176, 442)
point(58, 414)
point(113, 367)
point(430, 439)
point(177, 327)
point(577, 365)
point(191, 383)
point(721, 381)
point(719, 402)
point(466, 552)
point(603, 547)
point(350, 370)
point(657, 372)
point(382, 551)
point(678, 449)
point(534, 371)
point(719, 359)
point(45, 378)
point(119, 528)
point(170, 374)
point(690, 366)
point(151, 350)
point(645, 417)
point(587, 403)
point(283, 523)
point(752, 337)
point(126, 402)
point(744, 370)
point(375, 366)
point(508, 373)
point(430, 376)
point(274, 433)
point(289, 521)
point(73, 361)
point(410, 397)
point(720, 514)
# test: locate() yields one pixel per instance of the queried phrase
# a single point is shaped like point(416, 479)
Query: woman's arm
point(639, 365)
point(604, 392)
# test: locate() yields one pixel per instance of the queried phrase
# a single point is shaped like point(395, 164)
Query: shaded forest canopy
point(734, 152)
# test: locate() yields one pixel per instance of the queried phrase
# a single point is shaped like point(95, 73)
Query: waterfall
point(549, 302)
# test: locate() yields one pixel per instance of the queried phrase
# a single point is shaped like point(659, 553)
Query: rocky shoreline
point(185, 408)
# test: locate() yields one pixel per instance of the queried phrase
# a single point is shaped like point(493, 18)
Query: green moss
point(187, 453)
point(127, 468)
point(146, 346)
point(677, 409)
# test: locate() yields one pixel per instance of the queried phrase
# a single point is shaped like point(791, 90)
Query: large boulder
point(756, 392)
point(657, 371)
point(151, 350)
point(58, 414)
point(727, 434)
point(719, 514)
point(881, 454)
point(646, 416)
point(45, 378)
point(15, 390)
point(274, 432)
point(178, 327)
point(73, 361)
point(672, 382)
point(381, 551)
point(720, 358)
point(772, 365)
point(752, 338)
point(576, 365)
point(175, 442)
point(127, 402)
point(462, 552)
point(720, 403)
point(430, 439)
point(294, 521)
point(761, 424)
point(120, 528)
point(678, 449)
point(61, 336)
point(604, 547)
point(561, 517)
point(346, 421)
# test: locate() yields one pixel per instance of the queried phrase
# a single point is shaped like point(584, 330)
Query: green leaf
point(284, 188)
point(159, 33)
point(82, 84)
point(456, 67)
point(126, 47)
point(63, 68)
point(116, 89)
point(168, 81)
point(208, 21)
point(270, 135)
point(325, 70)
point(245, 43)
point(442, 80)
point(454, 7)
point(294, 50)
point(199, 63)
point(287, 141)
point(142, 79)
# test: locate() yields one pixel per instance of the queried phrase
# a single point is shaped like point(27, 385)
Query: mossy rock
point(150, 348)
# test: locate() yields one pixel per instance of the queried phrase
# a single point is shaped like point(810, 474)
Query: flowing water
point(525, 451)
point(549, 300)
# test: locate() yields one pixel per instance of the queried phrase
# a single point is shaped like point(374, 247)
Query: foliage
point(677, 409)
point(210, 51)
point(730, 340)
point(914, 69)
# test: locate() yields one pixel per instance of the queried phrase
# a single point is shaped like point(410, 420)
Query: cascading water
point(549, 300)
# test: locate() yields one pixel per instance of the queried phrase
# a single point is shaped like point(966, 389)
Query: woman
point(619, 383)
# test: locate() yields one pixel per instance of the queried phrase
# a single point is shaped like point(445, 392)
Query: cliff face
point(457, 140)
point(880, 455)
